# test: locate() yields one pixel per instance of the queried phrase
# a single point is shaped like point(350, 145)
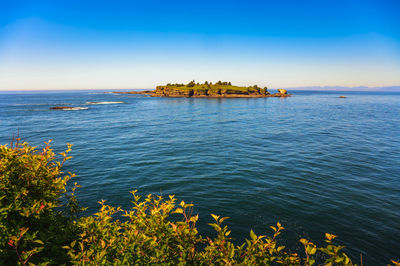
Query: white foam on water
point(103, 102)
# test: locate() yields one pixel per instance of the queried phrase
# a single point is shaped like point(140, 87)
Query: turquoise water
point(314, 162)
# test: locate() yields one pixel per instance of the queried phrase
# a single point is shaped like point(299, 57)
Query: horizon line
point(314, 87)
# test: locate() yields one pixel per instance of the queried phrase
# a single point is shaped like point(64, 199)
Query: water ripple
point(313, 162)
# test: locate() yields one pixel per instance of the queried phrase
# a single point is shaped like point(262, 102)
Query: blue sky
point(140, 44)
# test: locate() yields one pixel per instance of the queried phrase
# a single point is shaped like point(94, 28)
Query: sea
point(314, 162)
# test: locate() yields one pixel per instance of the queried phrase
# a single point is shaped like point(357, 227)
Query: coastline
point(209, 90)
point(153, 94)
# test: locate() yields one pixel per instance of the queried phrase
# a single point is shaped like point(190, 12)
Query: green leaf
point(340, 259)
point(253, 235)
point(313, 250)
point(38, 241)
point(23, 231)
point(223, 219)
point(303, 241)
point(215, 217)
point(216, 227)
point(280, 248)
point(178, 210)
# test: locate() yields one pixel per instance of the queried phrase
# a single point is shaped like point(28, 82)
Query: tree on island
point(191, 84)
point(226, 83)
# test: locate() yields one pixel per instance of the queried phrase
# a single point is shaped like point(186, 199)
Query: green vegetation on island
point(42, 223)
point(208, 89)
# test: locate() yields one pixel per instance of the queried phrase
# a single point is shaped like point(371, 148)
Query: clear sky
point(71, 44)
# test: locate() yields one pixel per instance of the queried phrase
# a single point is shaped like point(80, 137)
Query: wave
point(28, 104)
point(103, 102)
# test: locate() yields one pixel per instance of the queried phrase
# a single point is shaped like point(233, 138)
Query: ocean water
point(314, 162)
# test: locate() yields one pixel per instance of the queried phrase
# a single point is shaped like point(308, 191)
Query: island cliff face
point(166, 91)
point(209, 90)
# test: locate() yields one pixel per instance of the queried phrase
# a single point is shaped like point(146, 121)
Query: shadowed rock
point(67, 108)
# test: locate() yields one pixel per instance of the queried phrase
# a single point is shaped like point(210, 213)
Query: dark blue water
point(314, 162)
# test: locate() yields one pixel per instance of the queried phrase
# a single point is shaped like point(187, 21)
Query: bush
point(39, 226)
point(31, 187)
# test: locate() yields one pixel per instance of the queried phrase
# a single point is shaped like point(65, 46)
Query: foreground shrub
point(31, 186)
point(39, 225)
point(149, 237)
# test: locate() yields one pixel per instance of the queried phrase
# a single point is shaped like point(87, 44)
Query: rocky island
point(209, 90)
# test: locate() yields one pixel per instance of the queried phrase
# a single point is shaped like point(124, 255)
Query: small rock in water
point(342, 97)
point(67, 108)
point(59, 107)
point(282, 91)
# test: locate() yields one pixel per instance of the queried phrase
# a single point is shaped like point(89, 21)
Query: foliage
point(31, 186)
point(224, 87)
point(191, 84)
point(38, 227)
point(148, 236)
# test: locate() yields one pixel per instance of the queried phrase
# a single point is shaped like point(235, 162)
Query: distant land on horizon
point(346, 88)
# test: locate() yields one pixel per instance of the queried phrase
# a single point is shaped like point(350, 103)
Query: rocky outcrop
point(171, 92)
point(166, 91)
point(68, 108)
point(214, 92)
point(282, 91)
point(210, 91)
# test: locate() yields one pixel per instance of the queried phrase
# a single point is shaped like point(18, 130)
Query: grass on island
point(222, 86)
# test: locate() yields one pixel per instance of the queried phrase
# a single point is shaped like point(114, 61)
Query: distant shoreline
point(204, 96)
